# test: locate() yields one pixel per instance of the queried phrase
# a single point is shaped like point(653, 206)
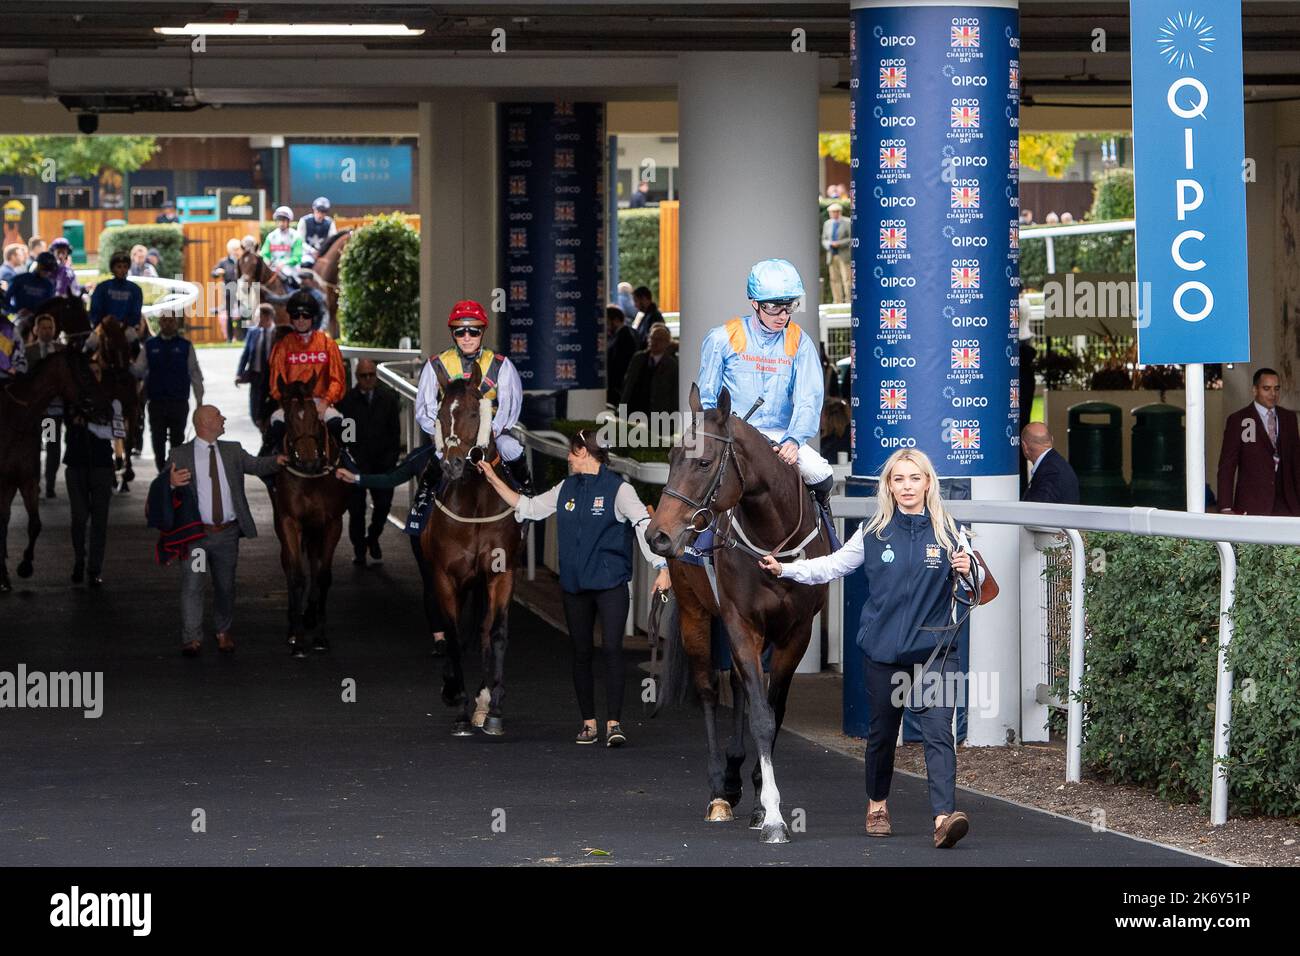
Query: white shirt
point(510, 398)
point(627, 507)
point(203, 483)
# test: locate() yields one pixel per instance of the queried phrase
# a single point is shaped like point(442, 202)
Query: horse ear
point(695, 404)
point(440, 373)
point(724, 402)
point(475, 375)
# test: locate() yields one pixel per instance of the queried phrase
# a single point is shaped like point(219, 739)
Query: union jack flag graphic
point(1015, 395)
point(1015, 77)
point(1015, 315)
point(968, 356)
point(893, 157)
point(966, 117)
point(564, 211)
point(517, 133)
point(967, 277)
point(566, 317)
point(1015, 235)
point(518, 239)
point(565, 265)
point(564, 108)
point(1015, 157)
point(965, 438)
point(893, 398)
point(893, 318)
point(893, 77)
point(518, 291)
point(965, 197)
point(967, 36)
point(518, 186)
point(564, 159)
point(566, 369)
point(895, 237)
point(518, 344)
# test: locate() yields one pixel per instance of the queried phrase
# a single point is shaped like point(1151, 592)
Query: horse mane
point(783, 481)
point(329, 243)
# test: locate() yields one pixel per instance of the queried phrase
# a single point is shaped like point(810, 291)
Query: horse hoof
point(24, 569)
point(494, 726)
point(462, 729)
point(719, 812)
point(776, 833)
point(481, 705)
point(320, 645)
point(756, 819)
point(297, 650)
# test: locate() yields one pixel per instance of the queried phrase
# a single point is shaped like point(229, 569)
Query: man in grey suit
point(217, 470)
point(837, 240)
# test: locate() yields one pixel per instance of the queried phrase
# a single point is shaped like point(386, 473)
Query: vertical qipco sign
point(1190, 193)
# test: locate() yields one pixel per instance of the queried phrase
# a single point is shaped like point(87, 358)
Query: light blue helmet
point(774, 279)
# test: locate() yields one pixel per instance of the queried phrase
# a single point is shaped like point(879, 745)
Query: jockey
point(501, 384)
point(30, 289)
point(120, 298)
point(316, 228)
point(299, 356)
point(766, 355)
point(282, 248)
point(65, 278)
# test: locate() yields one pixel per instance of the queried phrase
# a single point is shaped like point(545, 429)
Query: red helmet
point(467, 313)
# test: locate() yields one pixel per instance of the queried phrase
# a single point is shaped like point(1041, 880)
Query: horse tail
point(676, 683)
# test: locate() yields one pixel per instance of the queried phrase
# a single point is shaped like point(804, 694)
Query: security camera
point(88, 123)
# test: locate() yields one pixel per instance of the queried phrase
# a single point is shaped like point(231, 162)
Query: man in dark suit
point(217, 469)
point(1259, 466)
point(651, 383)
point(254, 363)
point(375, 416)
point(1051, 479)
point(622, 345)
point(648, 314)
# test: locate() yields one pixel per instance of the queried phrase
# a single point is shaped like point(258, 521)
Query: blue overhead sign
point(349, 174)
point(1189, 154)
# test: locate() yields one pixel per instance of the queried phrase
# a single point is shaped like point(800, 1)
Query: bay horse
point(258, 283)
point(471, 545)
point(309, 503)
point(326, 270)
point(65, 374)
point(114, 359)
point(725, 474)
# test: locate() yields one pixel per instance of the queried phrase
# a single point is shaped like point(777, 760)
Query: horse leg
point(499, 587)
point(30, 490)
point(746, 653)
point(291, 562)
point(453, 676)
point(324, 575)
point(694, 628)
point(6, 501)
point(733, 786)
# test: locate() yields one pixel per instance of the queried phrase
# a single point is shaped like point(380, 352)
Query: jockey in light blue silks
point(766, 355)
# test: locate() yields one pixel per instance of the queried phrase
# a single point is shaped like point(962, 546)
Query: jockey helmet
point(46, 260)
point(774, 279)
point(302, 302)
point(60, 243)
point(283, 212)
point(467, 313)
point(321, 203)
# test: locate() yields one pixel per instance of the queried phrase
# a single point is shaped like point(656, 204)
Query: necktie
point(214, 473)
point(835, 229)
point(1272, 426)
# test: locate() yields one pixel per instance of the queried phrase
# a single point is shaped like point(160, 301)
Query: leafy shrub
point(638, 248)
point(167, 239)
point(379, 279)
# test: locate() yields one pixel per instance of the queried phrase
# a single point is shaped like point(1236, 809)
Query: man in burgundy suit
point(1259, 467)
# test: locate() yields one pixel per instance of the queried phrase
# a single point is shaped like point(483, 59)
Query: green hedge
point(167, 239)
point(1149, 687)
point(379, 280)
point(638, 248)
point(1102, 252)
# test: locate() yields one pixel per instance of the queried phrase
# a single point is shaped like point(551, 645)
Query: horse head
point(114, 351)
point(704, 478)
point(304, 430)
point(79, 387)
point(463, 428)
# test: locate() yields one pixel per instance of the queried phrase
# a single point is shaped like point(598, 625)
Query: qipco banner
point(934, 126)
point(553, 241)
point(1188, 154)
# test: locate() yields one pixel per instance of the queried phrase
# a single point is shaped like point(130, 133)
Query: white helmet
point(284, 211)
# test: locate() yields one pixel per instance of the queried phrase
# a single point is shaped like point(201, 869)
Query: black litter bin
point(1096, 447)
point(1159, 463)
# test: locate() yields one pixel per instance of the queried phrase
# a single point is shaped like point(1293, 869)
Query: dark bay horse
point(326, 270)
point(70, 317)
point(309, 503)
point(258, 283)
point(65, 374)
point(726, 473)
point(471, 545)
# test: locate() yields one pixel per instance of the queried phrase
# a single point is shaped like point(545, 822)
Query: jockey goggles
point(780, 306)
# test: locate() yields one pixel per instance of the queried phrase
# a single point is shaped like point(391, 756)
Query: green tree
point(69, 156)
point(834, 145)
point(379, 275)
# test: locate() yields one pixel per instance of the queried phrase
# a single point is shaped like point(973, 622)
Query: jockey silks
point(169, 368)
point(120, 298)
point(315, 233)
point(28, 291)
point(489, 366)
point(296, 360)
point(595, 546)
point(282, 246)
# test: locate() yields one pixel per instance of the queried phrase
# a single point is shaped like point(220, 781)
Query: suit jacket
point(252, 342)
point(1054, 481)
point(378, 439)
point(235, 463)
point(648, 389)
point(618, 354)
point(846, 232)
point(1247, 480)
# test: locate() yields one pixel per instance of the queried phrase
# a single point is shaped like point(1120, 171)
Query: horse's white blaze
point(771, 796)
point(484, 422)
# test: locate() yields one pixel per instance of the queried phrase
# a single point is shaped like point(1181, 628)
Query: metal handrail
point(1223, 530)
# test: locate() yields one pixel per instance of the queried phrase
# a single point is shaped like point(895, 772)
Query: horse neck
point(30, 395)
point(770, 485)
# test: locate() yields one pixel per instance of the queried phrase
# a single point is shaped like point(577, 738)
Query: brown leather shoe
point(225, 643)
point(878, 823)
point(955, 826)
point(191, 648)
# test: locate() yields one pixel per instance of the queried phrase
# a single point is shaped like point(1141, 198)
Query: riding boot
point(822, 494)
point(518, 469)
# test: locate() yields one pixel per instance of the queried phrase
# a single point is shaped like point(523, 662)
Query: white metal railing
point(1223, 530)
point(1049, 234)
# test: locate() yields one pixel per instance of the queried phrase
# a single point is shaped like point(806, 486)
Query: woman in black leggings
point(597, 515)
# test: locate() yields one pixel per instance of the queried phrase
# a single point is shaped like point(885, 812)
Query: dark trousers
point(357, 531)
point(257, 396)
point(580, 611)
point(886, 701)
point(52, 455)
point(89, 492)
point(166, 425)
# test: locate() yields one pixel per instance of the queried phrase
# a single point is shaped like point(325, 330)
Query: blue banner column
point(934, 124)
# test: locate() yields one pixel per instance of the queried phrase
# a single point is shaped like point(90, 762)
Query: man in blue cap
point(766, 355)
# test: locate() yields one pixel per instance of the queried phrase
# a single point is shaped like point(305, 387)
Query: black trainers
point(588, 735)
point(615, 736)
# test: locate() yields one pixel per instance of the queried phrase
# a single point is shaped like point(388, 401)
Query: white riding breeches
point(813, 468)
point(331, 413)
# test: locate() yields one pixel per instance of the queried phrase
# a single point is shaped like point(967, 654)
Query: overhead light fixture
point(291, 30)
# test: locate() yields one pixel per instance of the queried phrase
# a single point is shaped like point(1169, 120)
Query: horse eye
point(704, 463)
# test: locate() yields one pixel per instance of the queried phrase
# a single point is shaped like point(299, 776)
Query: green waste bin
point(1096, 451)
point(74, 230)
point(1159, 464)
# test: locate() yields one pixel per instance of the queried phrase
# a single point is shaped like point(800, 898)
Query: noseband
point(704, 506)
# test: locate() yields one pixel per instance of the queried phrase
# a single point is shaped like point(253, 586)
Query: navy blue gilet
point(169, 367)
point(595, 546)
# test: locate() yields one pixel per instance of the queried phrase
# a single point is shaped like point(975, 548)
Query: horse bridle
point(295, 458)
point(704, 506)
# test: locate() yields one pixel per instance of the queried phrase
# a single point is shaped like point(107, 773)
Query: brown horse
point(309, 503)
point(70, 317)
point(471, 545)
point(258, 283)
point(726, 474)
point(326, 270)
point(114, 359)
point(65, 374)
